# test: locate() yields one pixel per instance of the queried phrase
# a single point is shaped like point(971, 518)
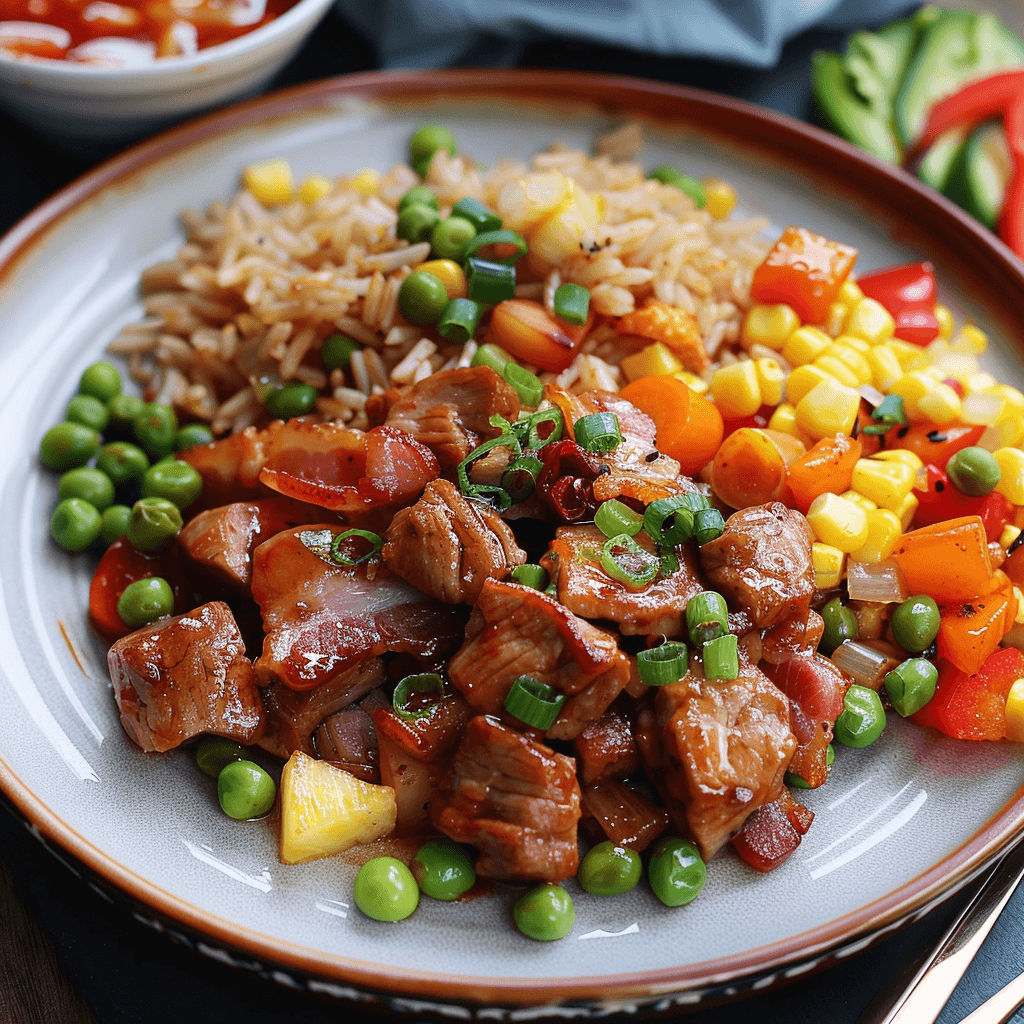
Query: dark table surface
point(68, 955)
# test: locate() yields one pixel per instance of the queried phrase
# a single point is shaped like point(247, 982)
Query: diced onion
point(879, 582)
point(867, 663)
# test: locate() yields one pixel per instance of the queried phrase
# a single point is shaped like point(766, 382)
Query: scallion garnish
point(624, 560)
point(669, 562)
point(498, 497)
point(669, 521)
point(614, 517)
point(520, 477)
point(708, 524)
point(690, 186)
point(492, 356)
point(489, 282)
point(531, 575)
point(375, 540)
point(459, 321)
point(500, 240)
point(887, 414)
point(528, 385)
point(572, 303)
point(599, 432)
point(539, 428)
point(534, 702)
point(477, 214)
point(707, 617)
point(417, 696)
point(721, 660)
point(667, 663)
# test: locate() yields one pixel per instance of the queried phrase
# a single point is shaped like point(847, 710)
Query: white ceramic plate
point(898, 826)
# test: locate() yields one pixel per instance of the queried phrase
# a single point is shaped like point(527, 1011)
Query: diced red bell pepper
point(973, 707)
point(908, 293)
point(934, 445)
point(942, 500)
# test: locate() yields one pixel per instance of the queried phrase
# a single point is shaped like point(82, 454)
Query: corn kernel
point(981, 381)
point(315, 187)
point(829, 563)
point(736, 390)
point(804, 379)
point(1011, 474)
point(836, 318)
point(908, 354)
point(769, 325)
point(885, 367)
point(851, 341)
point(719, 197)
point(851, 358)
point(828, 408)
point(771, 380)
point(884, 530)
point(1014, 399)
point(870, 320)
point(1018, 596)
point(838, 522)
point(838, 369)
point(1006, 432)
point(983, 408)
point(784, 420)
point(850, 293)
point(1009, 535)
point(941, 405)
point(365, 181)
point(859, 499)
point(270, 182)
point(1015, 712)
point(804, 345)
point(450, 274)
point(885, 483)
point(945, 321)
point(912, 387)
point(904, 455)
point(975, 337)
point(655, 360)
point(907, 510)
point(692, 381)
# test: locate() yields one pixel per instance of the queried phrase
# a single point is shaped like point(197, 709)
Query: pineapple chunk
point(324, 810)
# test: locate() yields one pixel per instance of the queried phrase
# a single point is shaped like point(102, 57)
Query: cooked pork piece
point(321, 618)
point(574, 562)
point(515, 631)
point(230, 468)
point(447, 546)
point(606, 749)
point(625, 817)
point(762, 562)
point(347, 739)
point(773, 832)
point(515, 800)
point(432, 737)
point(717, 750)
point(184, 676)
point(799, 634)
point(293, 715)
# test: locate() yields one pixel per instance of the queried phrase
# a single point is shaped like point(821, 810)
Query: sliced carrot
point(827, 467)
point(524, 329)
point(750, 467)
point(673, 327)
point(948, 561)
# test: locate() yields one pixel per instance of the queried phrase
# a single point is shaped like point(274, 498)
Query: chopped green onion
point(449, 238)
point(708, 524)
point(887, 414)
point(410, 697)
point(721, 660)
point(375, 540)
point(490, 494)
point(416, 222)
point(707, 617)
point(459, 321)
point(500, 238)
point(528, 428)
point(634, 566)
point(659, 512)
point(489, 282)
point(669, 562)
point(490, 355)
point(572, 303)
point(477, 214)
point(418, 195)
point(667, 663)
point(599, 432)
point(693, 188)
point(694, 501)
point(520, 477)
point(528, 385)
point(534, 702)
point(614, 517)
point(531, 575)
point(497, 497)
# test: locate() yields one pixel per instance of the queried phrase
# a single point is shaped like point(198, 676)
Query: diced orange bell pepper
point(673, 327)
point(804, 271)
point(827, 467)
point(970, 631)
point(973, 707)
point(948, 561)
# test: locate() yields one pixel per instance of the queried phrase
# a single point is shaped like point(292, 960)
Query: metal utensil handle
point(1000, 1007)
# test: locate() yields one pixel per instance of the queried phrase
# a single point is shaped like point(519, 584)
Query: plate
point(899, 826)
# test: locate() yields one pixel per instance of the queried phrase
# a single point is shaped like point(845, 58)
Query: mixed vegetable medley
point(510, 614)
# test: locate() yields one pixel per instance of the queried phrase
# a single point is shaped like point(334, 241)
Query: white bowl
point(80, 106)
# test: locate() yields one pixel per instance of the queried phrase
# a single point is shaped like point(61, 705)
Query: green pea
point(915, 623)
point(418, 195)
point(449, 237)
point(123, 410)
point(245, 790)
point(337, 351)
point(152, 524)
point(174, 480)
point(911, 685)
point(425, 142)
point(422, 298)
point(386, 890)
point(862, 719)
point(145, 601)
point(416, 222)
point(114, 523)
point(676, 871)
point(91, 485)
point(68, 445)
point(442, 870)
point(155, 428)
point(192, 435)
point(101, 380)
point(545, 913)
point(122, 461)
point(290, 400)
point(840, 625)
point(974, 471)
point(609, 870)
point(215, 753)
point(88, 411)
point(75, 524)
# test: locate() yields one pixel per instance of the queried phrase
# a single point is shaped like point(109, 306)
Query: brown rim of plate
point(909, 209)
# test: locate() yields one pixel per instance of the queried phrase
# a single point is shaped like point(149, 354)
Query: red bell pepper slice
point(908, 292)
point(1011, 217)
point(973, 707)
point(933, 445)
point(941, 500)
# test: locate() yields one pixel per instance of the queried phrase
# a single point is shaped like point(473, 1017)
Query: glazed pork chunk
point(184, 676)
point(515, 800)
